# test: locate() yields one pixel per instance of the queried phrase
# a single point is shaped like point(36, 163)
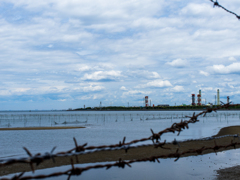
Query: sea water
point(109, 127)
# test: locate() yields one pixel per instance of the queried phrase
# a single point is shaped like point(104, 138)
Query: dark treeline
point(137, 108)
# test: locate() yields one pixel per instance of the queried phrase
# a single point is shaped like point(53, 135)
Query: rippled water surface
point(109, 127)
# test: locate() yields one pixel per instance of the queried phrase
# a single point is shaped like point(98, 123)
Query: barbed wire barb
point(216, 4)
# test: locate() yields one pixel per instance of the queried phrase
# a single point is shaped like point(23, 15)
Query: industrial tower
point(146, 101)
point(193, 100)
point(199, 98)
point(218, 98)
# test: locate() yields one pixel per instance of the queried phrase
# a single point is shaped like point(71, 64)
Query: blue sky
point(67, 54)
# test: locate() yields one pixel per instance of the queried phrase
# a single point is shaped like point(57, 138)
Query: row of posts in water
point(7, 120)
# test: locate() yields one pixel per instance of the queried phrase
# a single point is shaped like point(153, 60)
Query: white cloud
point(92, 88)
point(232, 59)
point(93, 67)
point(85, 97)
point(136, 93)
point(227, 79)
point(131, 92)
point(20, 90)
point(83, 68)
point(221, 69)
point(97, 96)
point(179, 63)
point(155, 75)
point(123, 88)
point(226, 84)
point(142, 74)
point(5, 93)
point(203, 9)
point(178, 88)
point(159, 83)
point(156, 83)
point(204, 73)
point(206, 89)
point(103, 75)
point(84, 52)
point(92, 97)
point(15, 91)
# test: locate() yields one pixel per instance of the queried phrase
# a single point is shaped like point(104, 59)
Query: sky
point(70, 53)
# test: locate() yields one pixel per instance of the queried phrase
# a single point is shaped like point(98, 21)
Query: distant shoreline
point(155, 108)
point(158, 110)
point(127, 109)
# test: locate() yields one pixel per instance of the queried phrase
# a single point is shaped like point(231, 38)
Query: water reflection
point(187, 168)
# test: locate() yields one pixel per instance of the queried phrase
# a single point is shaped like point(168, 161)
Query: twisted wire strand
point(215, 3)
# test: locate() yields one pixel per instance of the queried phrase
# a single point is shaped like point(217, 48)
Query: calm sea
point(109, 127)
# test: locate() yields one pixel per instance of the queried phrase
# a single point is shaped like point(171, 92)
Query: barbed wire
point(76, 171)
point(84, 149)
point(215, 3)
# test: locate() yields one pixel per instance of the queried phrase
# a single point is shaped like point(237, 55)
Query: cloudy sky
point(70, 53)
